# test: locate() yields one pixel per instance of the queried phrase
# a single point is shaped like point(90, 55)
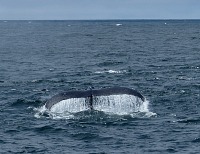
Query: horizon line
point(94, 19)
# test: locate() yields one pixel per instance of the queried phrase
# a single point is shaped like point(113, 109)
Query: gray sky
point(98, 9)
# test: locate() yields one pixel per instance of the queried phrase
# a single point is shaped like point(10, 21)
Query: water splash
point(119, 104)
point(44, 112)
point(72, 105)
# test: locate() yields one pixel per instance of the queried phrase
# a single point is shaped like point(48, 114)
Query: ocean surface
point(158, 58)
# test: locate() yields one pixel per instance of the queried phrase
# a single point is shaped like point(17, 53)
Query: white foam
point(35, 80)
point(40, 111)
point(118, 24)
point(111, 72)
point(185, 78)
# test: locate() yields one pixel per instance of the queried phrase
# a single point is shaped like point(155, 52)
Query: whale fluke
point(117, 91)
point(87, 98)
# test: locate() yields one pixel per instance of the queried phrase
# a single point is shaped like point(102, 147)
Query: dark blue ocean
point(158, 58)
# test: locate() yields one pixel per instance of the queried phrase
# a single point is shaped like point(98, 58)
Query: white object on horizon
point(118, 24)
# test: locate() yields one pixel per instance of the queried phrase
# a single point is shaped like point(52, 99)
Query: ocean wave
point(23, 102)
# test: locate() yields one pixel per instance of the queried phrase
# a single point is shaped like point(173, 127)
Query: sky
point(98, 9)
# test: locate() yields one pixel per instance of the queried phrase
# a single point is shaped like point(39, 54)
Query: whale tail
point(103, 100)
